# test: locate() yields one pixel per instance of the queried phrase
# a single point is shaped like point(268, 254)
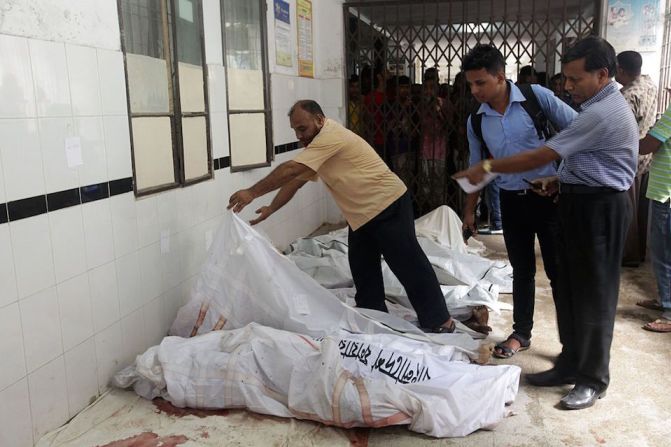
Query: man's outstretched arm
point(285, 194)
point(280, 176)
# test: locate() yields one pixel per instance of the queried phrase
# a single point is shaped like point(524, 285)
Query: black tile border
point(33, 206)
point(97, 191)
point(120, 186)
point(4, 215)
point(63, 199)
point(24, 208)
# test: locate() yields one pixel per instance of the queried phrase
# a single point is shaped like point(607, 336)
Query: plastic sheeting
point(348, 381)
point(467, 278)
point(245, 280)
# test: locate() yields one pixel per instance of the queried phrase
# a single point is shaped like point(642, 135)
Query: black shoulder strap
point(476, 124)
point(544, 127)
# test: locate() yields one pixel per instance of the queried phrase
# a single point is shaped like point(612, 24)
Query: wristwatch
point(487, 165)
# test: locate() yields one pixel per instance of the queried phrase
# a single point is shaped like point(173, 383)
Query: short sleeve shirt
point(600, 147)
point(361, 183)
point(659, 183)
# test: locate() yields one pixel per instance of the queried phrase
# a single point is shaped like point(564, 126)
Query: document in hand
point(468, 187)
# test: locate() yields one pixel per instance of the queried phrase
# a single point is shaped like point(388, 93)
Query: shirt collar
point(607, 90)
point(516, 95)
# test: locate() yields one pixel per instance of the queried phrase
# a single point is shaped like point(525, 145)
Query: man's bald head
point(308, 105)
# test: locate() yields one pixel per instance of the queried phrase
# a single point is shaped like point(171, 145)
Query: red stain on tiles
point(358, 437)
point(149, 439)
point(163, 406)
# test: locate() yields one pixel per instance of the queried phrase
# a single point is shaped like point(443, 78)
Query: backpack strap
point(544, 127)
point(476, 124)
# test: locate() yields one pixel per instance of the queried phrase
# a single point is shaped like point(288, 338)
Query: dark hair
point(596, 51)
point(309, 106)
point(630, 62)
point(354, 78)
point(484, 56)
point(403, 80)
point(431, 73)
point(556, 77)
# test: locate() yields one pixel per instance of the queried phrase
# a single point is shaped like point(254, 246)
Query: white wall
point(86, 288)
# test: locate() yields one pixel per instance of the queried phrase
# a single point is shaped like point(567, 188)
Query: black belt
point(568, 188)
point(516, 192)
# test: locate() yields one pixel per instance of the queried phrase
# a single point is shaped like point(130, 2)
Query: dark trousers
point(525, 217)
point(592, 232)
point(637, 235)
point(392, 235)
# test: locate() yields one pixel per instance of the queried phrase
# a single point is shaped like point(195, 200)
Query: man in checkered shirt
point(598, 153)
point(641, 94)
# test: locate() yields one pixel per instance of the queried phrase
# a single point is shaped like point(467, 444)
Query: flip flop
point(659, 325)
point(504, 352)
point(650, 304)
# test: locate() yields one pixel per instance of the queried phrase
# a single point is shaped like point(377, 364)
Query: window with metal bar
point(249, 117)
point(162, 42)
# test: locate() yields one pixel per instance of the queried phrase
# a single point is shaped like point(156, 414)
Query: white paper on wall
point(73, 151)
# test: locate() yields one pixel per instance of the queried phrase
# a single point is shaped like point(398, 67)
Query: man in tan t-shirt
point(375, 203)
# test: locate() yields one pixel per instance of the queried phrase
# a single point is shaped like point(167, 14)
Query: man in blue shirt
point(507, 129)
point(598, 153)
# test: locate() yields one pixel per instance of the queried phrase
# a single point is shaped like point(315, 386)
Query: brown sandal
point(659, 325)
point(650, 304)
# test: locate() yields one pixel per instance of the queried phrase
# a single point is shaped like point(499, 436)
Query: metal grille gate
point(403, 58)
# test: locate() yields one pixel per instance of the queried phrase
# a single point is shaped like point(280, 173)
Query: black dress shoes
point(551, 377)
point(581, 396)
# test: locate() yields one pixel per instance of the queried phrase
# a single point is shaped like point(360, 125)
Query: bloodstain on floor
point(149, 439)
point(163, 406)
point(358, 437)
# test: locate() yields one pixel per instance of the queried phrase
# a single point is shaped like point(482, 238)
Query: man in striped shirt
point(598, 153)
point(658, 142)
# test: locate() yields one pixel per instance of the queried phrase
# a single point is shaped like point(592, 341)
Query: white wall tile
point(109, 352)
point(48, 397)
point(15, 421)
point(124, 223)
point(69, 244)
point(173, 270)
point(8, 292)
point(90, 130)
point(74, 302)
point(117, 147)
point(104, 295)
point(133, 336)
point(212, 31)
point(113, 82)
point(98, 233)
point(93, 22)
point(52, 89)
point(153, 322)
point(149, 258)
point(216, 88)
point(33, 259)
point(172, 301)
point(129, 283)
point(16, 90)
point(219, 135)
point(41, 328)
point(21, 158)
point(58, 174)
point(147, 220)
point(82, 375)
point(84, 83)
point(2, 182)
point(11, 346)
point(166, 203)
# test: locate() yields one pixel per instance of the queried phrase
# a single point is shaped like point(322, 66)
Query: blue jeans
point(660, 245)
point(494, 206)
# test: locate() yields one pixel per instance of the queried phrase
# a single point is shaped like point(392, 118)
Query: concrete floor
point(636, 412)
